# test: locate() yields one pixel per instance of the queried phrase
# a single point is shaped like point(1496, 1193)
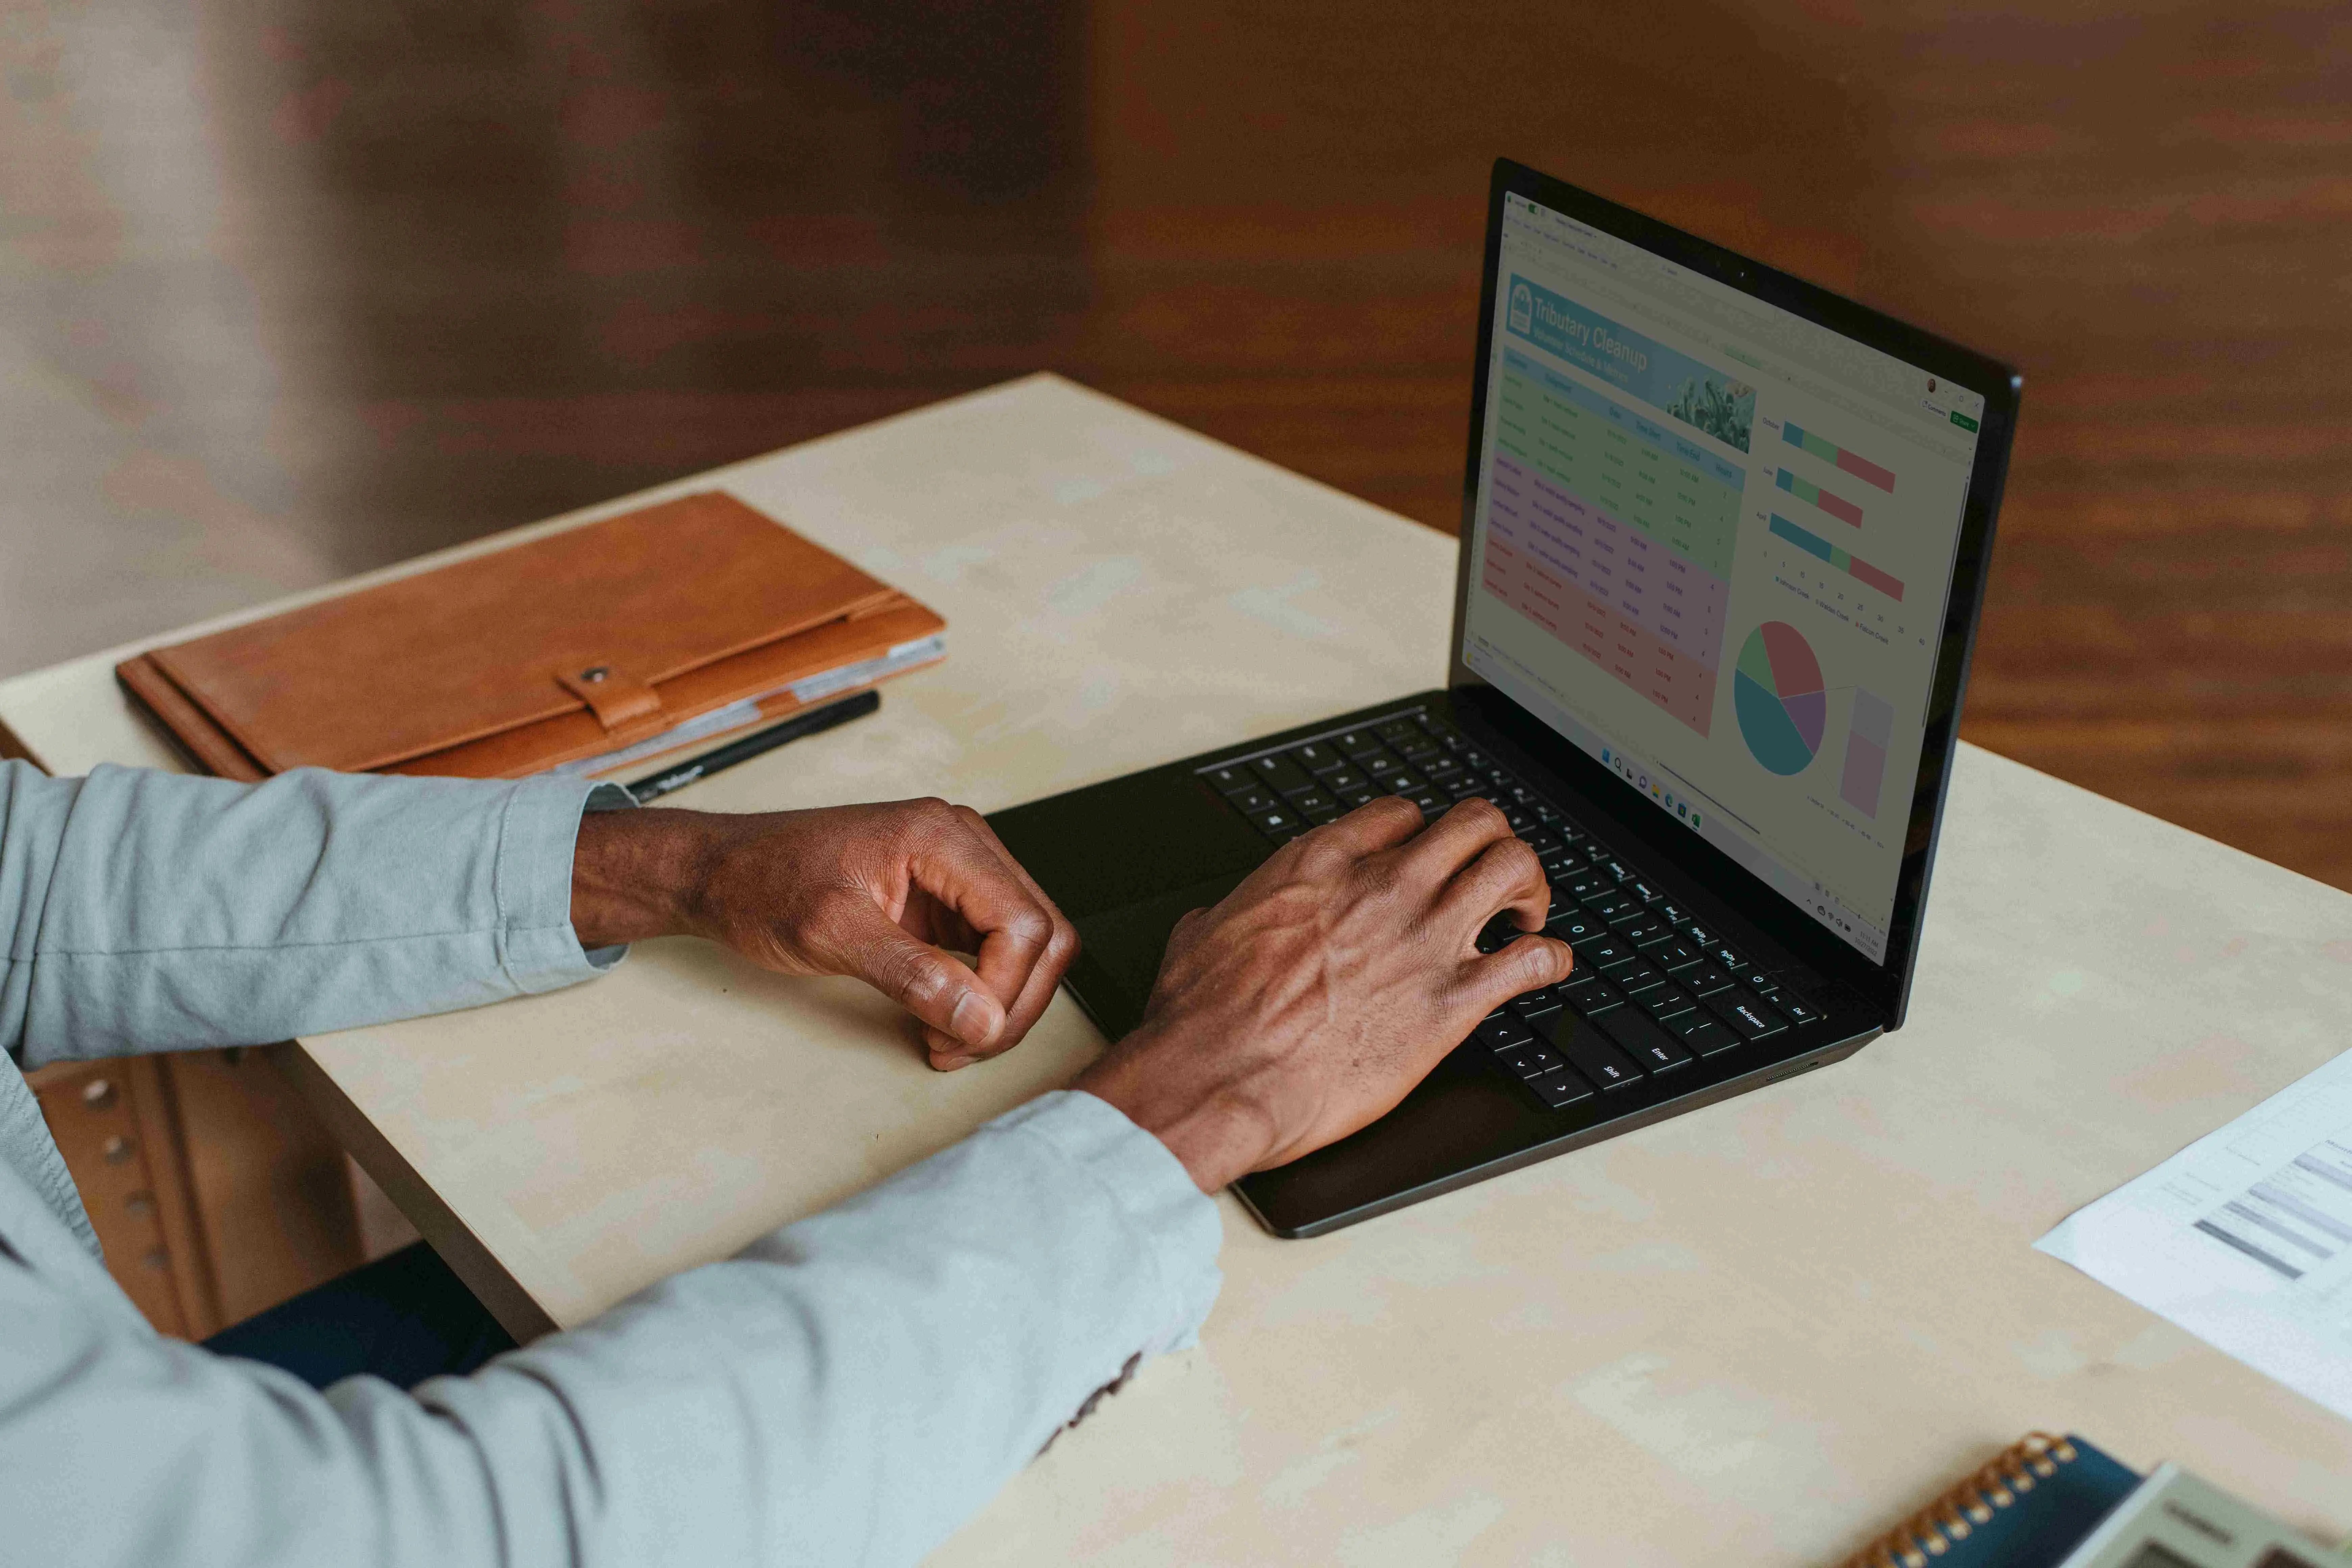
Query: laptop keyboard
point(1655, 990)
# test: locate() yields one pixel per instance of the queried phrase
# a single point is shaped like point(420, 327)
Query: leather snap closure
point(594, 674)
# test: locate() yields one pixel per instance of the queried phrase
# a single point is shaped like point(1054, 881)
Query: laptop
point(1724, 543)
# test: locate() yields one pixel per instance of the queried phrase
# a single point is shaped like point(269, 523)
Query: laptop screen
point(1712, 546)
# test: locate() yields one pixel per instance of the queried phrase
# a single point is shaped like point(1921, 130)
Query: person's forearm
point(846, 1392)
point(147, 911)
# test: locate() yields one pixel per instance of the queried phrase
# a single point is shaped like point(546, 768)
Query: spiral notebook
point(2058, 1502)
point(2030, 1506)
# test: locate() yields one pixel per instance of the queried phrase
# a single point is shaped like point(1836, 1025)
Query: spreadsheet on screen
point(1713, 543)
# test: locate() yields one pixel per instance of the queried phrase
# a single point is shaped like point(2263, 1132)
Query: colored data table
point(1756, 1333)
point(1613, 533)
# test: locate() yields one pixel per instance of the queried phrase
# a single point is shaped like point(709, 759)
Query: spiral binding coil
point(1952, 1518)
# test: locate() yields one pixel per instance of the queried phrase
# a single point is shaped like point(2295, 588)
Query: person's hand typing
point(885, 893)
point(1325, 987)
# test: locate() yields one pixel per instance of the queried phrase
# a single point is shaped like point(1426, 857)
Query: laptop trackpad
point(1124, 947)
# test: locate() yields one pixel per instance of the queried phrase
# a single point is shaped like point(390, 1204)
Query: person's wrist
point(638, 875)
point(1216, 1125)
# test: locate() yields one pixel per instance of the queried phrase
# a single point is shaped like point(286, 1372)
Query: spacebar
point(1648, 1044)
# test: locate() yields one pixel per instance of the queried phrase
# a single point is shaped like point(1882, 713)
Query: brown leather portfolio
point(594, 650)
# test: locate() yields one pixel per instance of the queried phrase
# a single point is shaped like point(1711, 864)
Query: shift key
point(1592, 1053)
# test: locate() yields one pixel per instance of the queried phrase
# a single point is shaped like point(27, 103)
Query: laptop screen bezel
point(1886, 983)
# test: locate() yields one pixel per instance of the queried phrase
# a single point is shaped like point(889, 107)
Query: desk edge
point(467, 1258)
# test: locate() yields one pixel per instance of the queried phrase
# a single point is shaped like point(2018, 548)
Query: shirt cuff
point(538, 833)
point(1178, 1224)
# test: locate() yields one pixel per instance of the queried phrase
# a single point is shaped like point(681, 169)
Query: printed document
point(2244, 1238)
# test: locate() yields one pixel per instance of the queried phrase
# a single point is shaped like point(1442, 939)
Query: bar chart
point(1828, 501)
point(1870, 734)
point(1860, 570)
point(1853, 463)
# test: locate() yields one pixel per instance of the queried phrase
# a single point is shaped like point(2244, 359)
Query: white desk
point(1757, 1334)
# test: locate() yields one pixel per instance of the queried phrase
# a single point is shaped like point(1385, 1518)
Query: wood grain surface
point(288, 291)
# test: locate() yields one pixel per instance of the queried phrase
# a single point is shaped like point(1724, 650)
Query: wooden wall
point(286, 290)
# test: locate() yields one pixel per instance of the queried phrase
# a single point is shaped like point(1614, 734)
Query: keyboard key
point(1280, 819)
point(1643, 928)
point(1585, 884)
point(1352, 798)
point(1443, 732)
point(1799, 1011)
point(1698, 935)
point(1592, 998)
point(1643, 891)
point(1645, 1042)
point(1356, 742)
point(1705, 979)
point(1671, 954)
point(1433, 804)
point(1700, 1031)
point(1575, 927)
point(1395, 729)
point(1281, 773)
point(1504, 1033)
point(1440, 766)
point(1666, 1001)
point(1341, 778)
point(1415, 748)
point(1537, 1009)
point(1402, 781)
point(1230, 779)
point(1723, 958)
point(1636, 978)
point(1605, 954)
point(1753, 1018)
point(1378, 766)
point(1560, 1090)
point(1315, 755)
point(1673, 914)
point(1610, 904)
point(1616, 870)
point(1592, 1054)
point(1318, 815)
point(1309, 797)
point(1526, 1060)
point(1254, 799)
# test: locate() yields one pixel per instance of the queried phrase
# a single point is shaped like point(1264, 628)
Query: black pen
point(655, 786)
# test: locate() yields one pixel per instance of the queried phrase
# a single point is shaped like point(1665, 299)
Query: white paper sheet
point(2244, 1238)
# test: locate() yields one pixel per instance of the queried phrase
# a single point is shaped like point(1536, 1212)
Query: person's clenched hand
point(885, 893)
point(1325, 987)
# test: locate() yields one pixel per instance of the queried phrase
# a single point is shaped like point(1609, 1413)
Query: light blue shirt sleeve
point(845, 1390)
point(146, 911)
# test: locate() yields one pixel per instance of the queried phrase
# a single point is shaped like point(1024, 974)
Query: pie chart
point(1775, 690)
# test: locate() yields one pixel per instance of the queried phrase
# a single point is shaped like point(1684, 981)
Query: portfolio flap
point(483, 646)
